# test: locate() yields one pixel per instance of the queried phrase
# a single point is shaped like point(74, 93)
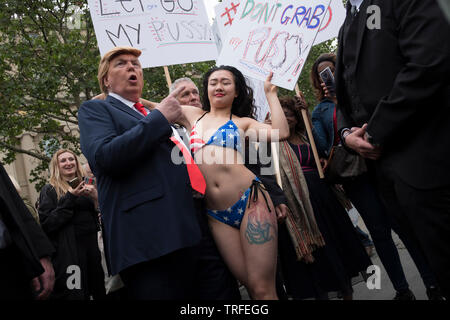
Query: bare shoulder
point(191, 113)
point(244, 122)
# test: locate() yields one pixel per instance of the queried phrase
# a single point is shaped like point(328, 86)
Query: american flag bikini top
point(227, 136)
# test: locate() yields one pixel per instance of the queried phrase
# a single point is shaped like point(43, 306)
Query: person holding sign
point(240, 212)
point(337, 254)
point(150, 224)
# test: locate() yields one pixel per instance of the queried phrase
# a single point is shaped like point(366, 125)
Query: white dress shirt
point(356, 3)
point(125, 101)
point(131, 105)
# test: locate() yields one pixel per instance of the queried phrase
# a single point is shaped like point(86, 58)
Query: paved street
point(386, 291)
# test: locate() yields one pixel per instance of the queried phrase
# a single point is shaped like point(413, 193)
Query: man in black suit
point(24, 249)
point(150, 224)
point(393, 93)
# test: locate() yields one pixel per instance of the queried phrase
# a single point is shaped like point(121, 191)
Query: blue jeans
point(363, 237)
point(363, 194)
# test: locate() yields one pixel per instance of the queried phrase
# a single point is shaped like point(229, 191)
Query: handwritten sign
point(167, 31)
point(273, 36)
point(334, 18)
point(217, 35)
point(226, 12)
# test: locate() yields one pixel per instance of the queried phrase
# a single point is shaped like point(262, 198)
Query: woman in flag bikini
point(240, 213)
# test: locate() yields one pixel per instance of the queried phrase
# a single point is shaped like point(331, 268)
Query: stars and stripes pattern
point(233, 215)
point(226, 136)
point(195, 141)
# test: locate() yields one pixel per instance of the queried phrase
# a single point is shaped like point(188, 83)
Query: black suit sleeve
point(25, 231)
point(42, 244)
point(423, 38)
point(54, 213)
point(269, 181)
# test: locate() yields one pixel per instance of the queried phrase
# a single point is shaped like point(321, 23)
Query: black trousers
point(13, 283)
point(425, 216)
point(170, 277)
point(213, 279)
point(363, 193)
point(89, 259)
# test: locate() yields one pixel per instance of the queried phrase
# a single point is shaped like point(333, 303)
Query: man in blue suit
point(150, 225)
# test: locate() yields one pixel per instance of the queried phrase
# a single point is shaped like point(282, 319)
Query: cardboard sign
point(167, 31)
point(226, 12)
point(334, 18)
point(273, 36)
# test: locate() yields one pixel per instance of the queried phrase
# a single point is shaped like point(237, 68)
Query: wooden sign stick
point(276, 163)
point(311, 137)
point(169, 81)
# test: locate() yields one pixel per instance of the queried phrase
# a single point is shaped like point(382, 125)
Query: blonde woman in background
point(68, 215)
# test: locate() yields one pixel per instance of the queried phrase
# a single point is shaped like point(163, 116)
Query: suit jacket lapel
point(362, 26)
point(121, 106)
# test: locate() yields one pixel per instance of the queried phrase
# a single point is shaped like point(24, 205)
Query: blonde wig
point(56, 180)
point(103, 67)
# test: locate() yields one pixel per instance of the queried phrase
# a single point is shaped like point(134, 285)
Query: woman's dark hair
point(290, 103)
point(315, 78)
point(243, 104)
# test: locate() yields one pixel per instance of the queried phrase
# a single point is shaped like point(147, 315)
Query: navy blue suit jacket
point(145, 199)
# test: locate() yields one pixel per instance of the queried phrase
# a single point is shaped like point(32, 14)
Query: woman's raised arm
point(279, 122)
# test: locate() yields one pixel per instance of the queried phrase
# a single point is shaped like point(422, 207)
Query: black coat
point(26, 234)
point(57, 218)
point(402, 88)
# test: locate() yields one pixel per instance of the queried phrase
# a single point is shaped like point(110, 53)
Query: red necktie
point(197, 181)
point(140, 107)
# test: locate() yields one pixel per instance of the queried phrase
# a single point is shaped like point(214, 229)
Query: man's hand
point(357, 142)
point(281, 211)
point(46, 279)
point(170, 107)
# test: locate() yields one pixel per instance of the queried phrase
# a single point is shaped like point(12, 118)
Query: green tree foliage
point(304, 81)
point(46, 70)
point(48, 67)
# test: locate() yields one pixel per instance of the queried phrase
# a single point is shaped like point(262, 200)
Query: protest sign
point(217, 35)
point(167, 31)
point(334, 18)
point(273, 36)
point(226, 12)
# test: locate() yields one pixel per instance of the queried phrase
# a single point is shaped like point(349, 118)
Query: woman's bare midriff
point(226, 176)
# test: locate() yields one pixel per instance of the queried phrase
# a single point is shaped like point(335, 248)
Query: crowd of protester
point(175, 200)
